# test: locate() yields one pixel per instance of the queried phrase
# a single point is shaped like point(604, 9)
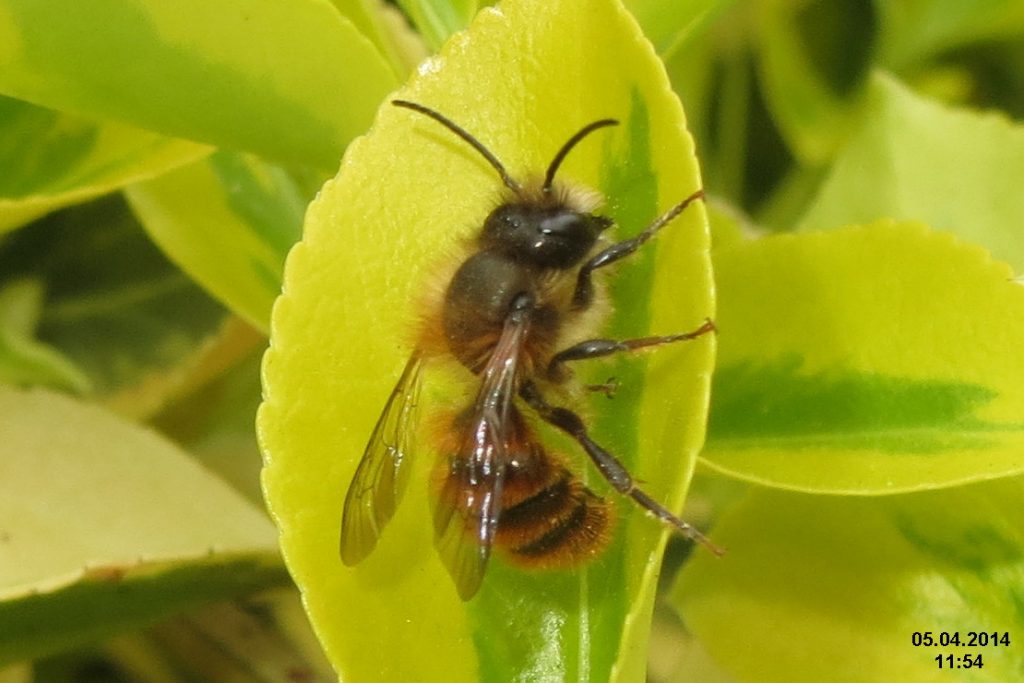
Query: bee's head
point(547, 236)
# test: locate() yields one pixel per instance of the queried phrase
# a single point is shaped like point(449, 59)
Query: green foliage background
point(864, 440)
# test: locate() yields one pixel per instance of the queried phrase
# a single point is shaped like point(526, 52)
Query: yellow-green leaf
point(835, 588)
point(293, 81)
point(105, 526)
point(953, 168)
point(50, 159)
point(228, 221)
point(867, 360)
point(523, 78)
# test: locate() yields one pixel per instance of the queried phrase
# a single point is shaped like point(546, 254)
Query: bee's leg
point(584, 294)
point(596, 348)
point(607, 464)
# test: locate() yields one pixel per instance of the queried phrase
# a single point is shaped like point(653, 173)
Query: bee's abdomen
point(549, 518)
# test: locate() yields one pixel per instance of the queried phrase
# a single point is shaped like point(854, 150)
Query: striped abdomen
point(547, 518)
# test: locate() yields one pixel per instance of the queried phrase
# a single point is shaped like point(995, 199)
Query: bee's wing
point(380, 479)
point(469, 501)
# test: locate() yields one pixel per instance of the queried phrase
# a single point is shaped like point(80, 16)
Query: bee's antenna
point(549, 177)
point(509, 181)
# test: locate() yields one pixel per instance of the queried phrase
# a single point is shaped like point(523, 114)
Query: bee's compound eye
point(502, 225)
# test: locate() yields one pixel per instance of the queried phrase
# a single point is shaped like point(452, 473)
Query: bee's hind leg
point(607, 464)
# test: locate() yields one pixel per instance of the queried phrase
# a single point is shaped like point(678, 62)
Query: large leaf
point(953, 168)
point(107, 526)
point(523, 79)
point(823, 588)
point(293, 81)
point(870, 360)
point(51, 159)
point(228, 221)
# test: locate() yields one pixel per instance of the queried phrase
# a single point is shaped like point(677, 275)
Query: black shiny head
point(547, 236)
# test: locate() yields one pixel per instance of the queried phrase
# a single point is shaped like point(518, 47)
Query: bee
point(529, 281)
